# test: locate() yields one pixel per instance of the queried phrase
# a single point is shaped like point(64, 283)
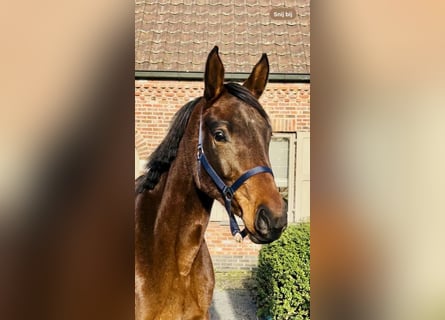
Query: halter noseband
point(226, 191)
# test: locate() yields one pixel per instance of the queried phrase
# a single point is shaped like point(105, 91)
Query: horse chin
point(258, 240)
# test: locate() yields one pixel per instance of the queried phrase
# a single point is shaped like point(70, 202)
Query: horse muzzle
point(268, 226)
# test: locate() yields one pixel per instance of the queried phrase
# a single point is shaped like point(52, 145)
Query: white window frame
point(292, 137)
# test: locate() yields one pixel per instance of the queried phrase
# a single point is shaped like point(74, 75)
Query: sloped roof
point(173, 35)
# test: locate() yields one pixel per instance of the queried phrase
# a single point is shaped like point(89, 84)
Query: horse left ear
point(214, 75)
point(258, 78)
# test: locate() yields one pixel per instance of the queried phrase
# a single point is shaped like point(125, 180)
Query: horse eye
point(219, 136)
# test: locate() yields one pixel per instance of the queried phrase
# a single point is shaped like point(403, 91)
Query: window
point(282, 158)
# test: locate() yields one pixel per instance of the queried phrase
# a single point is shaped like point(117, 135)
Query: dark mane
point(161, 159)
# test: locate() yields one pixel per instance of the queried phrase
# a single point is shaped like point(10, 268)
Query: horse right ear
point(258, 78)
point(214, 75)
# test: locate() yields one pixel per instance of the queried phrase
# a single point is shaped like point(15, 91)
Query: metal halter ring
point(228, 193)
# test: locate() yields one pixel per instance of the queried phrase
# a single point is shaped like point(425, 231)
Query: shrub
point(282, 278)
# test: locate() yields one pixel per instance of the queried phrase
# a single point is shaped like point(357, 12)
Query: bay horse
point(216, 149)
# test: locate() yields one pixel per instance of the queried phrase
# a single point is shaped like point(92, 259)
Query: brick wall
point(226, 252)
point(288, 106)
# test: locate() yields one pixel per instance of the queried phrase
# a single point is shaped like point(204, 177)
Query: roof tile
point(174, 35)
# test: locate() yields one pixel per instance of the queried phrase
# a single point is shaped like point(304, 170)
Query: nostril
point(262, 222)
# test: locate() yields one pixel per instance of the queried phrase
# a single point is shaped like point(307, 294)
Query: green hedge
point(282, 278)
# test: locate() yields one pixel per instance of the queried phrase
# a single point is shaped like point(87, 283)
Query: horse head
point(234, 136)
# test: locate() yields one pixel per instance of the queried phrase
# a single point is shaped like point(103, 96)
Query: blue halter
point(226, 191)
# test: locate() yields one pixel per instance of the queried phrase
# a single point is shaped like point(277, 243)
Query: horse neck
point(184, 211)
point(172, 218)
point(181, 195)
point(180, 184)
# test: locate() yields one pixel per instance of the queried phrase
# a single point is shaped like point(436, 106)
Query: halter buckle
point(199, 153)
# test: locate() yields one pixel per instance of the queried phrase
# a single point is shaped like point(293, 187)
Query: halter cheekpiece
point(227, 191)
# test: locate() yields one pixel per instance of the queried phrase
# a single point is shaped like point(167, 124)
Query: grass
point(234, 280)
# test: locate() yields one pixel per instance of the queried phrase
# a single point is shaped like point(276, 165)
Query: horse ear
point(258, 78)
point(214, 75)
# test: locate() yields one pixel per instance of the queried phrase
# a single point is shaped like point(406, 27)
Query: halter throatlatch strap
point(226, 191)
